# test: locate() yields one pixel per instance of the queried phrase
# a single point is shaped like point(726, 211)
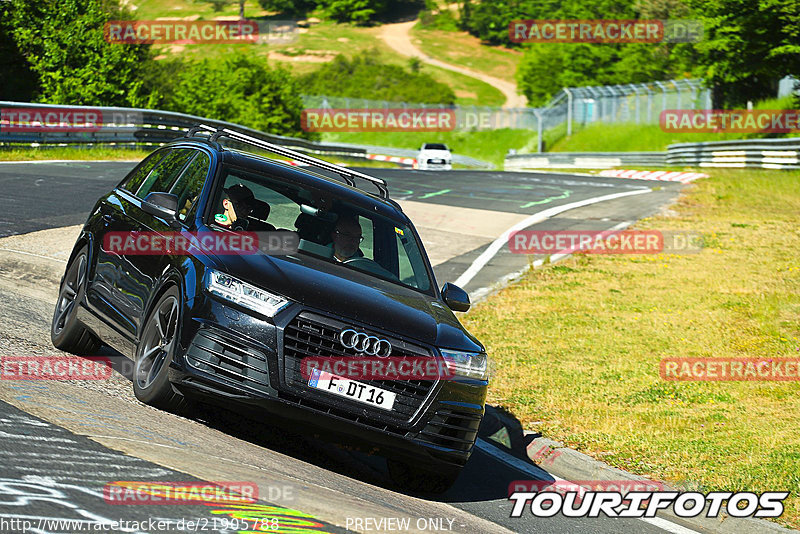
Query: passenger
point(237, 204)
point(346, 238)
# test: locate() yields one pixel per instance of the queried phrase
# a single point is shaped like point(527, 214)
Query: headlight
point(244, 294)
point(467, 364)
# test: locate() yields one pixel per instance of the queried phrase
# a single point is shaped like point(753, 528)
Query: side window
point(166, 172)
point(411, 264)
point(189, 185)
point(368, 244)
point(406, 269)
point(136, 178)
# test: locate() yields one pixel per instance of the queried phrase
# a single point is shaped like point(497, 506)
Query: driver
point(237, 204)
point(346, 238)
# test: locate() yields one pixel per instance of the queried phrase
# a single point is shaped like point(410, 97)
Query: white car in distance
point(434, 156)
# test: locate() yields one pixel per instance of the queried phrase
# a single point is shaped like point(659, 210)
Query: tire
point(154, 353)
point(66, 332)
point(418, 479)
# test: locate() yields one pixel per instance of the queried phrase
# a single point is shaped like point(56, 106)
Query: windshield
point(329, 228)
point(435, 146)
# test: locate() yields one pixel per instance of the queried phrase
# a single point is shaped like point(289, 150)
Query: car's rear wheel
point(66, 332)
point(154, 353)
point(422, 479)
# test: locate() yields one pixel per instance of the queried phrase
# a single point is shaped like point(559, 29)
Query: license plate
point(351, 389)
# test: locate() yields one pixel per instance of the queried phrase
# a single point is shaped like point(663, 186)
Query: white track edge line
point(481, 261)
point(516, 463)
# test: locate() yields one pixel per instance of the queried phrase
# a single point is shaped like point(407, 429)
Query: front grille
point(315, 336)
point(454, 429)
point(228, 359)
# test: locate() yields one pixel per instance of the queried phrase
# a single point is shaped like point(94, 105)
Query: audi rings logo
point(364, 343)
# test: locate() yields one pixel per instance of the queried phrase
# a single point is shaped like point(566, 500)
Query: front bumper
point(229, 356)
point(429, 165)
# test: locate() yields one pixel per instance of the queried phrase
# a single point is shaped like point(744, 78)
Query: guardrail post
point(694, 93)
point(569, 111)
point(613, 104)
point(663, 95)
point(538, 129)
point(635, 92)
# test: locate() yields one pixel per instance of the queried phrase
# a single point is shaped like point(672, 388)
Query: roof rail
point(349, 175)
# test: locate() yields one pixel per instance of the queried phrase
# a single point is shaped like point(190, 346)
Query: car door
point(140, 269)
point(102, 295)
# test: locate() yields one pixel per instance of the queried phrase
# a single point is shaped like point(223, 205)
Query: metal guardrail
point(147, 127)
point(583, 160)
point(409, 153)
point(778, 153)
point(136, 127)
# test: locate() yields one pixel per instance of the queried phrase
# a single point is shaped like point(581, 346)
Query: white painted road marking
point(481, 261)
point(537, 473)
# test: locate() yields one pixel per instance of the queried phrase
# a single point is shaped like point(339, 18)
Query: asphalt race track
point(63, 441)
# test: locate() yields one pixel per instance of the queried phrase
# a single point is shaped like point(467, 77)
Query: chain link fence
point(640, 103)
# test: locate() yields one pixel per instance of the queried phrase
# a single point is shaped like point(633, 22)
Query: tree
point(21, 82)
point(289, 7)
point(364, 76)
point(219, 4)
point(67, 51)
point(240, 88)
point(749, 45)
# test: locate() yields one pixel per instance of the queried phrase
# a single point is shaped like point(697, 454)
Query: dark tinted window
point(386, 248)
point(138, 175)
point(166, 172)
point(435, 146)
point(189, 185)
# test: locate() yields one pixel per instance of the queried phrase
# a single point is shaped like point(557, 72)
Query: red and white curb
point(662, 176)
point(376, 157)
point(392, 159)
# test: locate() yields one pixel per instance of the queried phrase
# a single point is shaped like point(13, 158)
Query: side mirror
point(163, 205)
point(455, 297)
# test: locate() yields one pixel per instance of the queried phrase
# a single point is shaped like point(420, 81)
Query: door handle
point(108, 218)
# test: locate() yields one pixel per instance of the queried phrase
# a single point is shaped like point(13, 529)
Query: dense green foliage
point(239, 89)
point(18, 80)
point(67, 53)
point(295, 8)
point(748, 46)
point(65, 59)
point(364, 76)
point(434, 17)
point(357, 11)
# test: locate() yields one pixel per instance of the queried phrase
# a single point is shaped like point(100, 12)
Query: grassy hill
point(321, 41)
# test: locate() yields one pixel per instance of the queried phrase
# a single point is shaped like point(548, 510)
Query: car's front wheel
point(155, 351)
point(419, 479)
point(66, 332)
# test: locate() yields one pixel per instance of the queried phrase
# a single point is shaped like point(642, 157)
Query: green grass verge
point(488, 146)
point(154, 9)
point(462, 49)
point(469, 91)
point(613, 137)
point(116, 154)
point(100, 153)
point(577, 345)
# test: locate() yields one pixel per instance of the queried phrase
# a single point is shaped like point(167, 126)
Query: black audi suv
point(233, 328)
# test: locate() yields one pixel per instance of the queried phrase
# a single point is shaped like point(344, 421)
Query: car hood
point(351, 295)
